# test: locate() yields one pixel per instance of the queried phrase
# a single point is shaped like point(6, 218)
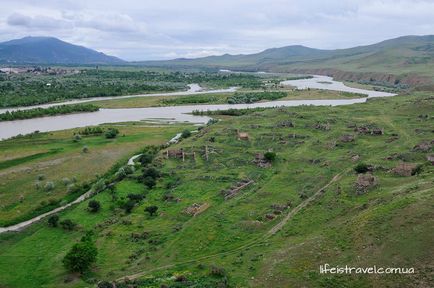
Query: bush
point(41, 177)
point(85, 149)
point(72, 188)
point(68, 224)
point(136, 197)
point(81, 256)
point(149, 182)
point(217, 271)
point(146, 158)
point(49, 186)
point(185, 134)
point(152, 210)
point(111, 133)
point(53, 220)
point(76, 138)
point(94, 206)
point(270, 156)
point(66, 181)
point(128, 207)
point(361, 168)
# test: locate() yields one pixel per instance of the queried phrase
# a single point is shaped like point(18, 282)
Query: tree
point(149, 182)
point(152, 210)
point(53, 220)
point(81, 256)
point(94, 206)
point(185, 134)
point(68, 224)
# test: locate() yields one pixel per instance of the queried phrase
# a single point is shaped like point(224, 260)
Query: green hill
point(409, 59)
point(336, 192)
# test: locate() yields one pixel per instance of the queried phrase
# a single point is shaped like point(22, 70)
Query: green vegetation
point(252, 97)
point(81, 256)
point(232, 215)
point(29, 89)
point(51, 111)
point(33, 168)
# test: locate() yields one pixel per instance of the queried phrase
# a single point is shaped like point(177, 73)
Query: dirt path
point(252, 243)
point(24, 224)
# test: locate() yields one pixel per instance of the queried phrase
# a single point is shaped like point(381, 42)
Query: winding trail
point(257, 241)
point(18, 227)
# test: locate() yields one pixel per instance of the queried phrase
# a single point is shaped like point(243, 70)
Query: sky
point(167, 29)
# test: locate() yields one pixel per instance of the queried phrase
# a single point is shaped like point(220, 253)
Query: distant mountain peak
point(51, 50)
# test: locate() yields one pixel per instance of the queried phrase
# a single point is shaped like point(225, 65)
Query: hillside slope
point(279, 220)
point(407, 58)
point(49, 50)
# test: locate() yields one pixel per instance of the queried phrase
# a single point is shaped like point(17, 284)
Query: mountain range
point(49, 50)
point(407, 59)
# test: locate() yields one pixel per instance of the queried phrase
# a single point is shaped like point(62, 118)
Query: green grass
point(56, 156)
point(390, 225)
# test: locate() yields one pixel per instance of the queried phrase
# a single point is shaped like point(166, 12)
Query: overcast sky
point(163, 29)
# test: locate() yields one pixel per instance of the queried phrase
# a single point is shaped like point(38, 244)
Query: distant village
point(39, 70)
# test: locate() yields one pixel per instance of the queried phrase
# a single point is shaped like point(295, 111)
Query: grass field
point(56, 158)
point(389, 224)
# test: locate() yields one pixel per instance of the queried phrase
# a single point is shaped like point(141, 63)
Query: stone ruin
point(235, 189)
point(405, 169)
point(365, 182)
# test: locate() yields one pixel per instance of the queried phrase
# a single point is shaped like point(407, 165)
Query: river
point(173, 114)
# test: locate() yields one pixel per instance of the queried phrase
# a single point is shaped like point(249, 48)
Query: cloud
point(37, 22)
point(148, 29)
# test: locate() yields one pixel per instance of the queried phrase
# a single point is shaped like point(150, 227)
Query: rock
point(347, 138)
point(365, 182)
point(405, 169)
point(424, 146)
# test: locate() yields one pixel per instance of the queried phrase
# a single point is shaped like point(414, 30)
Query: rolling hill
point(409, 59)
point(49, 50)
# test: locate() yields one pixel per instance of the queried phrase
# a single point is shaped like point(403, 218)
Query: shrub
point(81, 256)
point(361, 168)
point(68, 224)
point(72, 188)
point(217, 271)
point(66, 181)
point(41, 177)
point(146, 158)
point(38, 185)
point(152, 210)
point(186, 133)
point(76, 138)
point(136, 197)
point(105, 284)
point(111, 133)
point(270, 156)
point(128, 207)
point(49, 186)
point(94, 206)
point(149, 182)
point(85, 149)
point(53, 220)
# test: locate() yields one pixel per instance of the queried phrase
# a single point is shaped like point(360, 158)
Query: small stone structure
point(231, 192)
